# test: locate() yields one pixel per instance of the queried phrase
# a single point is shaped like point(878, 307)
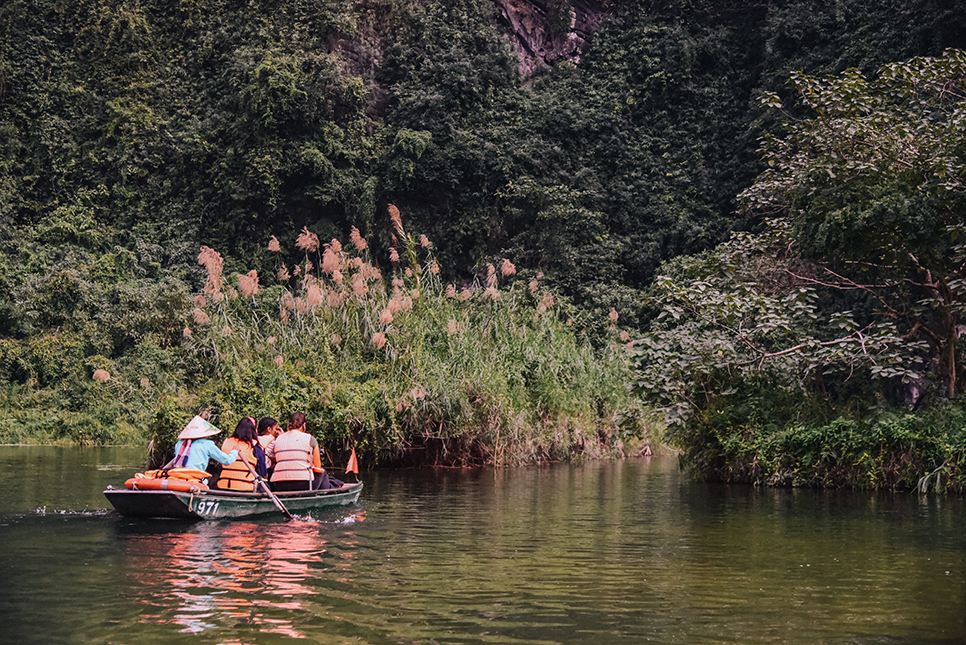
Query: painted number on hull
point(207, 507)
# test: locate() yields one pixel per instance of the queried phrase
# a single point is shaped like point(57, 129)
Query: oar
point(268, 490)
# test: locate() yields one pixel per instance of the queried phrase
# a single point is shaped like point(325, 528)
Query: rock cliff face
point(539, 34)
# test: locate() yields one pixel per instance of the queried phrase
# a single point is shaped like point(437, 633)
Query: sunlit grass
point(401, 364)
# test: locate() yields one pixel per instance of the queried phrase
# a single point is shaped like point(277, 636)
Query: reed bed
point(399, 364)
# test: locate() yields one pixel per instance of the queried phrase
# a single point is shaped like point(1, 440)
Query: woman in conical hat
point(194, 449)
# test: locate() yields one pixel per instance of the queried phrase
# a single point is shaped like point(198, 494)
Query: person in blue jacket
point(194, 449)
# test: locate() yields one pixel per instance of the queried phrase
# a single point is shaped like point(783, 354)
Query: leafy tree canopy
point(873, 184)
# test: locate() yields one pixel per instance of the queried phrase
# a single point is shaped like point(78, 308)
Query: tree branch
point(828, 343)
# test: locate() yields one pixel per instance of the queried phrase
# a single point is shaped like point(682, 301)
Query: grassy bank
point(895, 450)
point(389, 360)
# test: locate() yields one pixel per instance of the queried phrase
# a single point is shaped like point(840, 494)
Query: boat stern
point(149, 503)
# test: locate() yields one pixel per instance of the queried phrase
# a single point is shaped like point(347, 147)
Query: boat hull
point(218, 504)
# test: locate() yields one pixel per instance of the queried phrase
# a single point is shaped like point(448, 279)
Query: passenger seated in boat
point(244, 441)
point(296, 458)
point(267, 431)
point(194, 449)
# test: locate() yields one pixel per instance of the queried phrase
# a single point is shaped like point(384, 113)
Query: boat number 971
point(207, 507)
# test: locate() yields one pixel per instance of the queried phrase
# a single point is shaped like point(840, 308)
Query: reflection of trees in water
point(215, 575)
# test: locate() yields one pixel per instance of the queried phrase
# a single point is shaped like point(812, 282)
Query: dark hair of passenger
point(297, 420)
point(245, 431)
point(266, 424)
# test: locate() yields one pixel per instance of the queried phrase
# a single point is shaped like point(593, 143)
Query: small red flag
point(353, 466)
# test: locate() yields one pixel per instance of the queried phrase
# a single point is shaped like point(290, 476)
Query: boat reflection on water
point(229, 575)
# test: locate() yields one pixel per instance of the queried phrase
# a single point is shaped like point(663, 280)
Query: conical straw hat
point(198, 428)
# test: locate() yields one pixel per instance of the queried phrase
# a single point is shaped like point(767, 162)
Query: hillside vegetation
point(136, 133)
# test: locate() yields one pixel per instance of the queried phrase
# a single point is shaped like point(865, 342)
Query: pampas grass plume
point(507, 268)
point(307, 241)
point(213, 263)
point(396, 220)
point(334, 298)
point(357, 240)
point(248, 283)
point(315, 297)
point(359, 286)
point(330, 260)
point(370, 272)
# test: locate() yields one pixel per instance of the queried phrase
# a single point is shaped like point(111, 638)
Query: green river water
point(614, 552)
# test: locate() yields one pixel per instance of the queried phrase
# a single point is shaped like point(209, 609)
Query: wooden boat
point(215, 504)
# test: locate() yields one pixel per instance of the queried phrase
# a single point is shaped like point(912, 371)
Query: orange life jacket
point(236, 476)
point(293, 454)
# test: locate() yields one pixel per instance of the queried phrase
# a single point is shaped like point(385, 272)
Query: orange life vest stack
point(184, 480)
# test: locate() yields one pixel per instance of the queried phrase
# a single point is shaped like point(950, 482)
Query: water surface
point(625, 552)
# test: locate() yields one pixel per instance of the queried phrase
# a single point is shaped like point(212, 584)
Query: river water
point(622, 552)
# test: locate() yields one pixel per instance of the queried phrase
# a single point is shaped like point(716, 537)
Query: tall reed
point(399, 364)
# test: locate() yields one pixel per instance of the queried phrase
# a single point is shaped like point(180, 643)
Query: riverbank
point(403, 367)
point(895, 450)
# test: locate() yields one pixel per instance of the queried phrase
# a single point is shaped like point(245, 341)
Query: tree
point(873, 184)
point(744, 323)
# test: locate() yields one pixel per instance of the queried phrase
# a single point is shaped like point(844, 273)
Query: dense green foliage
point(898, 451)
point(801, 338)
point(485, 375)
point(134, 133)
point(403, 368)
